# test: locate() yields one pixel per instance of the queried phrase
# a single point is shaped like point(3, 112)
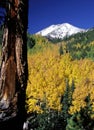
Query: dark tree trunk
point(14, 68)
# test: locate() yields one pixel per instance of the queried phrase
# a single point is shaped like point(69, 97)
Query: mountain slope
point(60, 31)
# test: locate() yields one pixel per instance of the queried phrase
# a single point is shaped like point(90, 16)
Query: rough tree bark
point(14, 68)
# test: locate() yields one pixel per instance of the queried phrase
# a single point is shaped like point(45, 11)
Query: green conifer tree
point(73, 123)
point(82, 120)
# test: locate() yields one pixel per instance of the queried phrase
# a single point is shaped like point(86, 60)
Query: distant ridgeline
point(87, 36)
point(80, 45)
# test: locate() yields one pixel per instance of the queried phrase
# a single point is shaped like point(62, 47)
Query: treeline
point(80, 45)
point(37, 43)
point(87, 36)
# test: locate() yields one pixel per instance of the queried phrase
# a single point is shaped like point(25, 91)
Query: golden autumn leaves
point(47, 75)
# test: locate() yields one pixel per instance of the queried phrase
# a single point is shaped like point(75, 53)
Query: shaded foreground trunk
point(14, 69)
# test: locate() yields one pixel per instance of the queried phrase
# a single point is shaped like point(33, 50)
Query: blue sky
point(43, 13)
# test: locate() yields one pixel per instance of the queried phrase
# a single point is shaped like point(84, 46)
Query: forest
point(60, 89)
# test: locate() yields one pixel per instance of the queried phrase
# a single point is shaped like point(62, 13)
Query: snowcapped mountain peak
point(60, 31)
point(47, 30)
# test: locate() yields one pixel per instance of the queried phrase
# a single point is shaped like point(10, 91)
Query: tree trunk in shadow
point(14, 68)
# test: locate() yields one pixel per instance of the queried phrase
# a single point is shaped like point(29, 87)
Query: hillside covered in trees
point(60, 90)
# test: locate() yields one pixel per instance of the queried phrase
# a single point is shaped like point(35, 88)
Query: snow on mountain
point(60, 31)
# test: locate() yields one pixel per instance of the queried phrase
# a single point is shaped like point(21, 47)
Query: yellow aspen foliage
point(79, 96)
point(47, 78)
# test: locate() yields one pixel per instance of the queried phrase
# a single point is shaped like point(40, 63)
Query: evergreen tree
point(61, 49)
point(82, 120)
point(86, 115)
point(67, 101)
point(30, 41)
point(71, 90)
point(73, 124)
